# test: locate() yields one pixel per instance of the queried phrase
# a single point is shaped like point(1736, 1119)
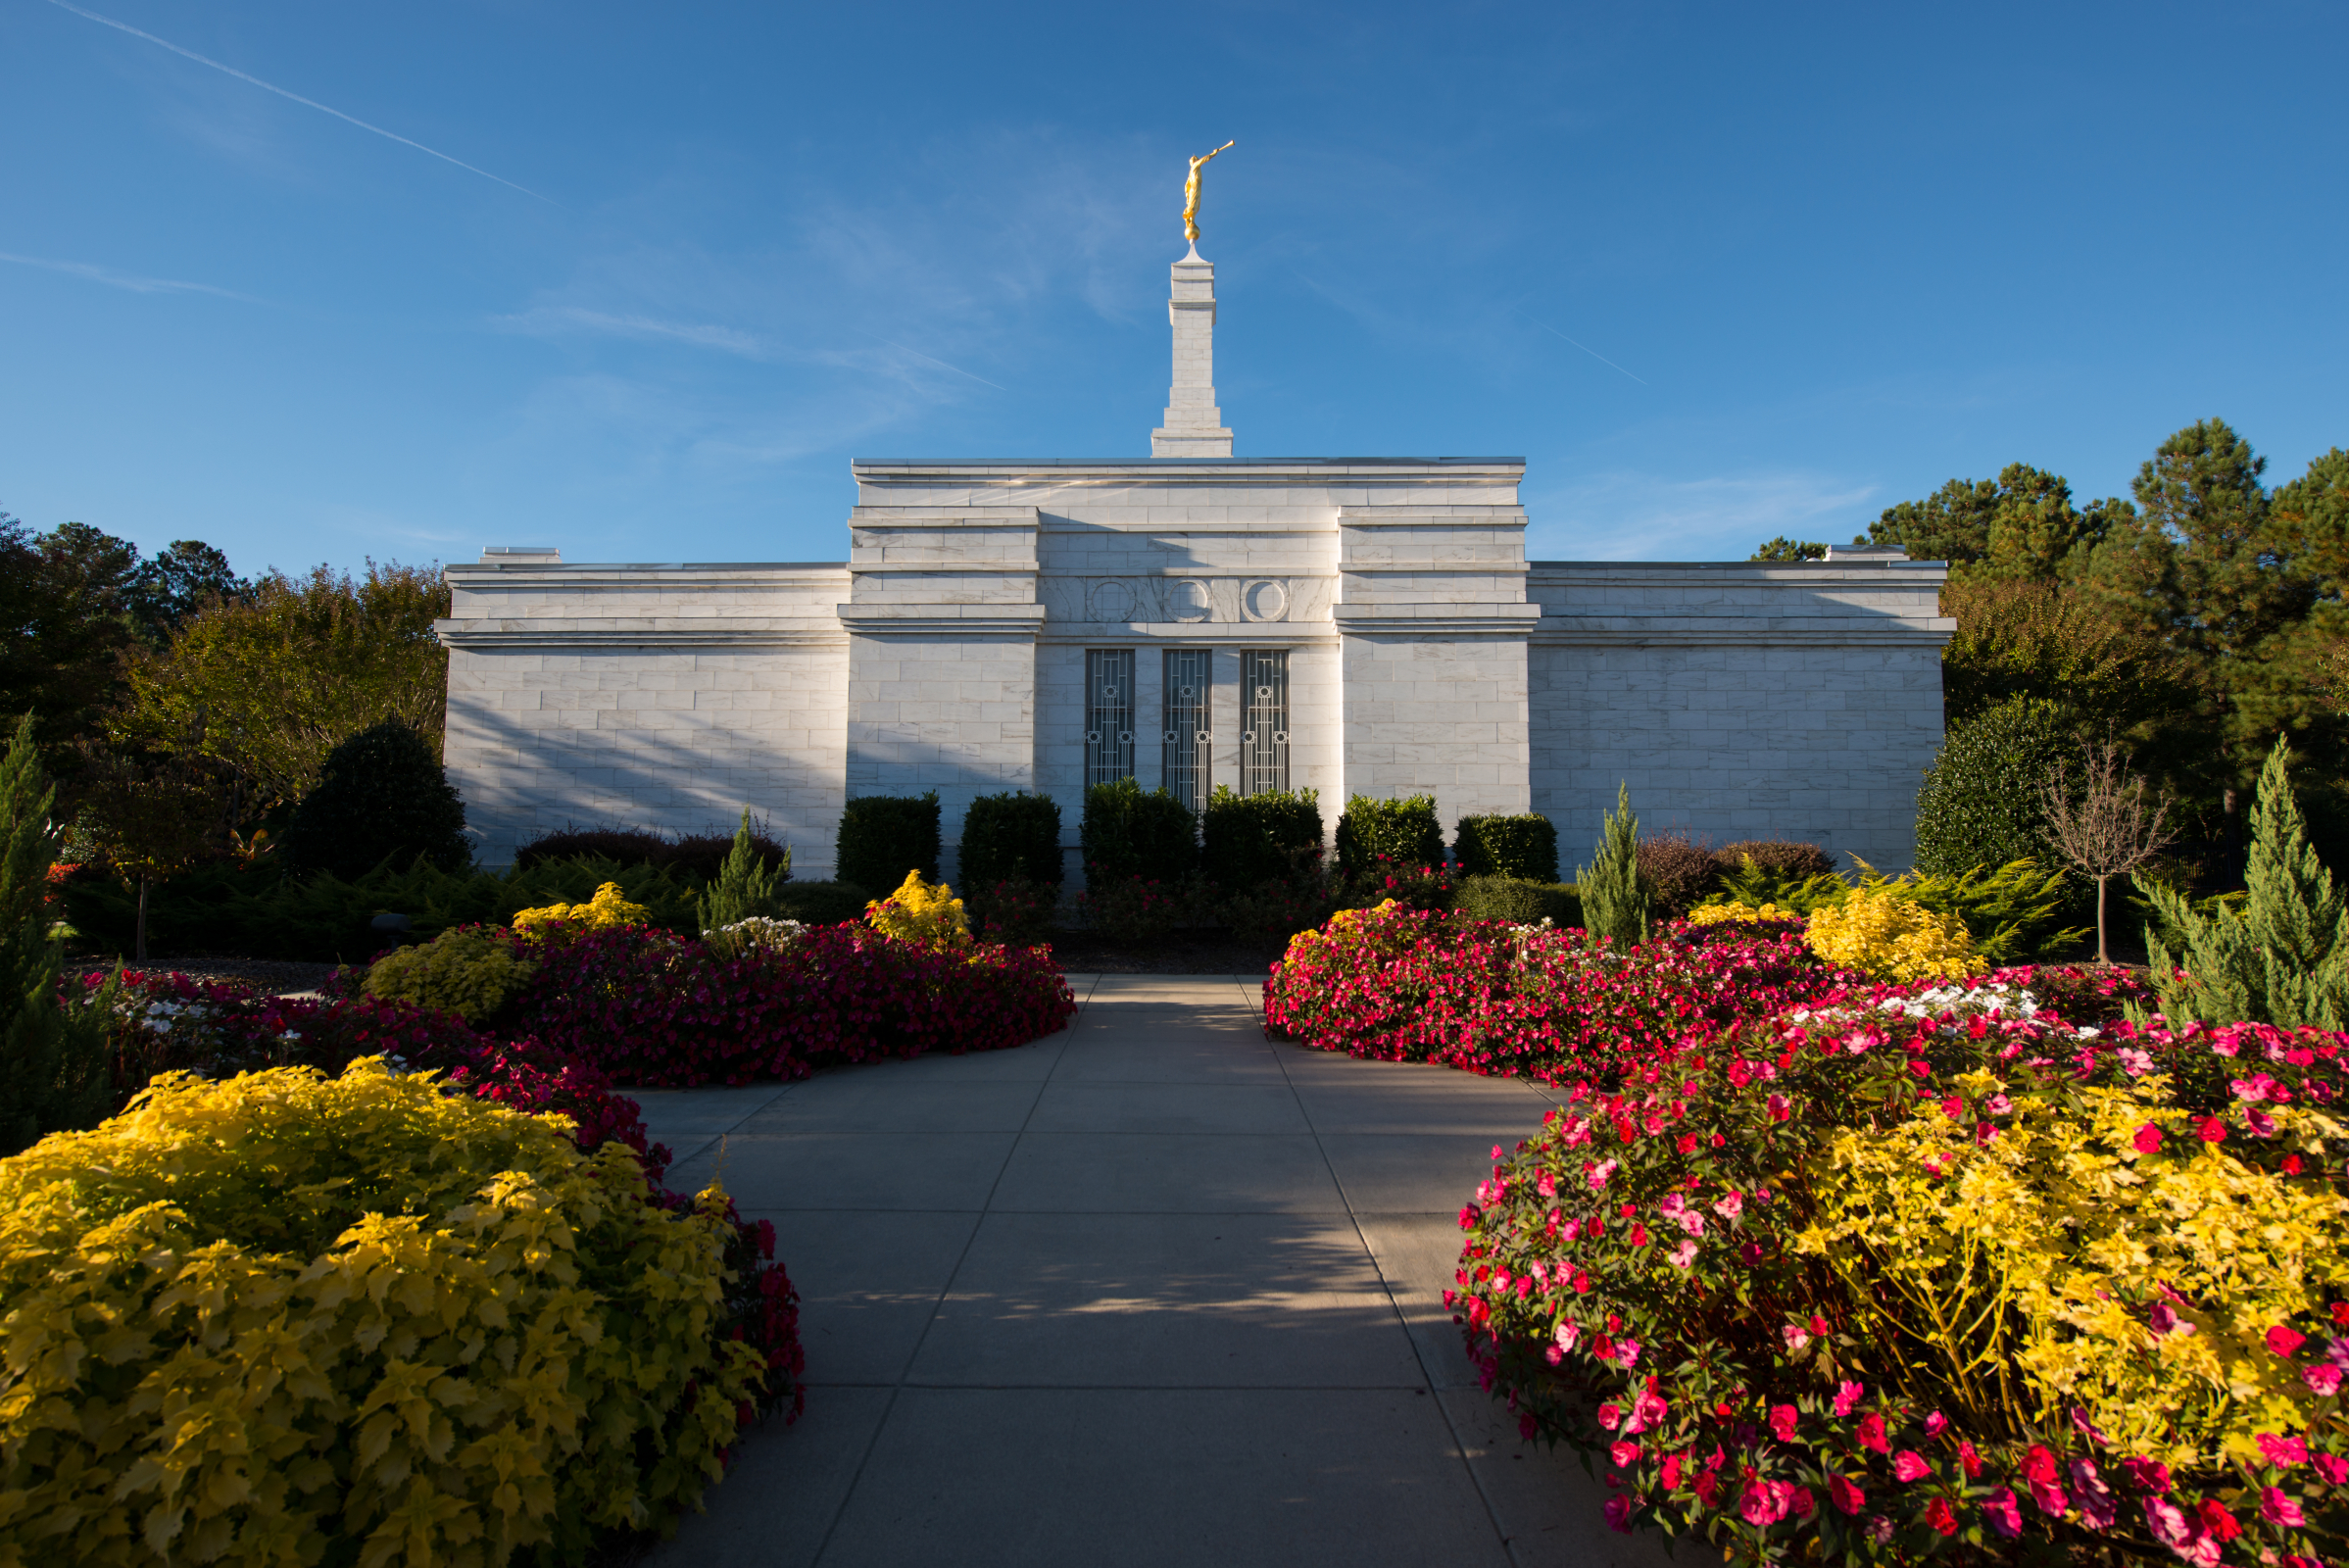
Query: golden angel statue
point(1191, 196)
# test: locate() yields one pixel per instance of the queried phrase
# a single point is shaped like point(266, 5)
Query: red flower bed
point(1400, 984)
point(651, 1008)
point(1656, 1280)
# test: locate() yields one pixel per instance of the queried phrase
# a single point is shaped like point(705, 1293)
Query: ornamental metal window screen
point(1188, 742)
point(1263, 719)
point(1108, 714)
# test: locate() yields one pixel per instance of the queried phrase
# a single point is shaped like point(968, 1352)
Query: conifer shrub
point(1402, 832)
point(54, 1070)
point(700, 856)
point(381, 796)
point(1980, 802)
point(1523, 848)
point(882, 837)
point(425, 1321)
point(1129, 832)
point(474, 972)
point(748, 885)
point(2277, 956)
point(1012, 836)
point(1617, 900)
point(1249, 840)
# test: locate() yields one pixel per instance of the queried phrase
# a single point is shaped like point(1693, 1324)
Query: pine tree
point(2278, 958)
point(745, 884)
point(53, 1063)
point(1615, 899)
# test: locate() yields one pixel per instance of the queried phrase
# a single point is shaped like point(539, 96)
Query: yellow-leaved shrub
point(602, 912)
point(1723, 914)
point(471, 973)
point(268, 1319)
point(2019, 1272)
point(1891, 937)
point(925, 913)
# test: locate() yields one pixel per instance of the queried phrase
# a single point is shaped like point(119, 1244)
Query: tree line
point(2192, 625)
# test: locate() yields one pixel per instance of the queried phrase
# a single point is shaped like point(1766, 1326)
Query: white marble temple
point(1423, 652)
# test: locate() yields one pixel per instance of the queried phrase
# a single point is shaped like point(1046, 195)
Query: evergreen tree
point(746, 885)
point(381, 794)
point(1616, 901)
point(54, 1072)
point(2278, 958)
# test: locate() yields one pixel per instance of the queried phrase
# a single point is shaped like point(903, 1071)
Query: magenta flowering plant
point(1932, 1271)
point(1399, 984)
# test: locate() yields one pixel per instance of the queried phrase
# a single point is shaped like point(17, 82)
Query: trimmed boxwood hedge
point(1130, 833)
point(1525, 846)
point(1254, 838)
point(882, 837)
point(1010, 836)
point(1404, 832)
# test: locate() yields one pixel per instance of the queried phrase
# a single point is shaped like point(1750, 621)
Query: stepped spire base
point(1193, 425)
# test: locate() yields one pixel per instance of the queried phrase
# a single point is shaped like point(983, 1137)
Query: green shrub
point(355, 1320)
point(1269, 913)
point(1518, 901)
point(1014, 912)
point(696, 855)
point(1131, 908)
point(1127, 833)
point(1521, 847)
point(882, 837)
point(1981, 804)
point(821, 902)
point(2013, 915)
point(265, 913)
point(748, 886)
point(1615, 898)
point(2277, 956)
point(1782, 857)
point(1400, 832)
point(1757, 885)
point(54, 1072)
point(1010, 837)
point(1250, 840)
point(381, 796)
point(473, 973)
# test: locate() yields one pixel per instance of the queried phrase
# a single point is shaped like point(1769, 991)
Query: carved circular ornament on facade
point(1112, 600)
point(1264, 601)
point(1188, 599)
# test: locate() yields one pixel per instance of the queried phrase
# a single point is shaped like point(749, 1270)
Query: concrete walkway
point(1150, 1290)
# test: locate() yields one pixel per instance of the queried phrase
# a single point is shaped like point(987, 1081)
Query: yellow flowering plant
point(1930, 1271)
point(922, 913)
point(607, 910)
point(1891, 937)
point(280, 1316)
point(1724, 913)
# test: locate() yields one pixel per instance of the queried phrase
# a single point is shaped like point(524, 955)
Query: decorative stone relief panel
point(1186, 600)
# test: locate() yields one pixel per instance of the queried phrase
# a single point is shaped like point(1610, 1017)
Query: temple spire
point(1193, 426)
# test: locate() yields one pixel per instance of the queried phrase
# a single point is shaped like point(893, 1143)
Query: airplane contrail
point(941, 363)
point(308, 103)
point(1535, 319)
point(126, 280)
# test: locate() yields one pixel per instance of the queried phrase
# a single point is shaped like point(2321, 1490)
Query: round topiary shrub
point(289, 1316)
point(1980, 806)
point(381, 794)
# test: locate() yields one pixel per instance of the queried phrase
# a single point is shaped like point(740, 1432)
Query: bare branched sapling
point(2106, 822)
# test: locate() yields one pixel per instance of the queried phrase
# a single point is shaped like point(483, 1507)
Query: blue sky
point(1717, 272)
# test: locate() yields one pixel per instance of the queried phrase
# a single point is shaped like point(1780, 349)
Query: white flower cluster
point(758, 931)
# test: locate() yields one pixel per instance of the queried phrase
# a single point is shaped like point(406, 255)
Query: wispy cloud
point(307, 103)
point(1627, 515)
point(126, 280)
point(552, 321)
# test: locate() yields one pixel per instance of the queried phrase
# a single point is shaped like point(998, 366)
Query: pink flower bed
point(1632, 1285)
point(651, 1008)
point(1412, 985)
